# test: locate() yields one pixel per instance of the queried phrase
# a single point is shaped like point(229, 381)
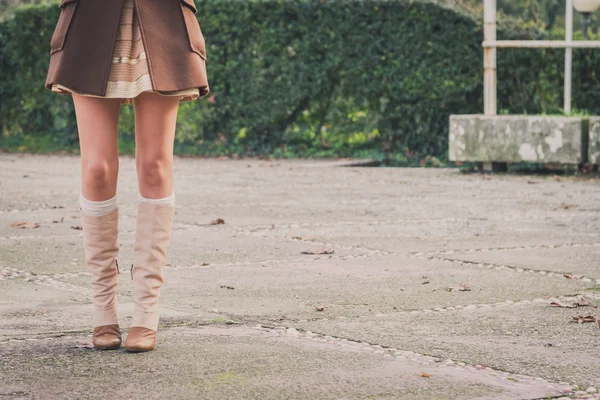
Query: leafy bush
point(362, 78)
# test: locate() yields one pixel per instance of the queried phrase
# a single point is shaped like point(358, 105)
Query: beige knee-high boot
point(101, 244)
point(152, 236)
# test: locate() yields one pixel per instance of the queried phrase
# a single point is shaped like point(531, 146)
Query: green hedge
point(309, 77)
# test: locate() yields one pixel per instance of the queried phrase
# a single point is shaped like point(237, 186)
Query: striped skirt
point(129, 73)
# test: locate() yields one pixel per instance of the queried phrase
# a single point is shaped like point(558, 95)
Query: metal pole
point(543, 44)
point(568, 56)
point(586, 23)
point(489, 57)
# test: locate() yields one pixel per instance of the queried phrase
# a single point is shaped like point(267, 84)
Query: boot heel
point(140, 339)
point(107, 337)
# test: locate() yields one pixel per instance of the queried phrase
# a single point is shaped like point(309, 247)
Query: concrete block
point(594, 144)
point(516, 138)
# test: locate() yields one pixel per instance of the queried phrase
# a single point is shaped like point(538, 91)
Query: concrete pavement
point(422, 284)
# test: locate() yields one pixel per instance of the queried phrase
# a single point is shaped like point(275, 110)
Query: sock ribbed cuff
point(97, 208)
point(165, 200)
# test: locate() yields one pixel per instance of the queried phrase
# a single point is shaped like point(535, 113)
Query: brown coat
point(82, 44)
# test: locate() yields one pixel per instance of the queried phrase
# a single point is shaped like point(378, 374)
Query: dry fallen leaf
point(84, 345)
point(318, 252)
point(306, 238)
point(566, 206)
point(581, 319)
point(584, 303)
point(425, 375)
point(562, 305)
point(575, 304)
point(462, 288)
point(25, 224)
point(572, 276)
point(218, 221)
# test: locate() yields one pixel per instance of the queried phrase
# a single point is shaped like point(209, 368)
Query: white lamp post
point(586, 7)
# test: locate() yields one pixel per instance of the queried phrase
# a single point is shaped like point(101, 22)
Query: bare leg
point(97, 123)
point(155, 120)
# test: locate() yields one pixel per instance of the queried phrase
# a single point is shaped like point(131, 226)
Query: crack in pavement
point(460, 308)
point(529, 247)
point(504, 267)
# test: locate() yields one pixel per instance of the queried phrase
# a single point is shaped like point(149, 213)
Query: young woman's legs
point(155, 120)
point(97, 121)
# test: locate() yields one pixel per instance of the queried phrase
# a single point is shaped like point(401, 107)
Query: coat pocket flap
point(189, 3)
point(64, 2)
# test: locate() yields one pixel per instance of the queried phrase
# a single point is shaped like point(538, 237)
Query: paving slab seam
point(529, 247)
point(50, 335)
point(222, 206)
point(65, 236)
point(71, 335)
point(260, 227)
point(13, 273)
point(52, 280)
point(37, 237)
point(411, 357)
point(366, 252)
point(25, 210)
point(43, 336)
point(68, 334)
point(8, 273)
point(504, 267)
point(69, 235)
point(460, 308)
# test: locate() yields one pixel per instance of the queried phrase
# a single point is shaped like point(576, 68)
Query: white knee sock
point(97, 208)
point(165, 200)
